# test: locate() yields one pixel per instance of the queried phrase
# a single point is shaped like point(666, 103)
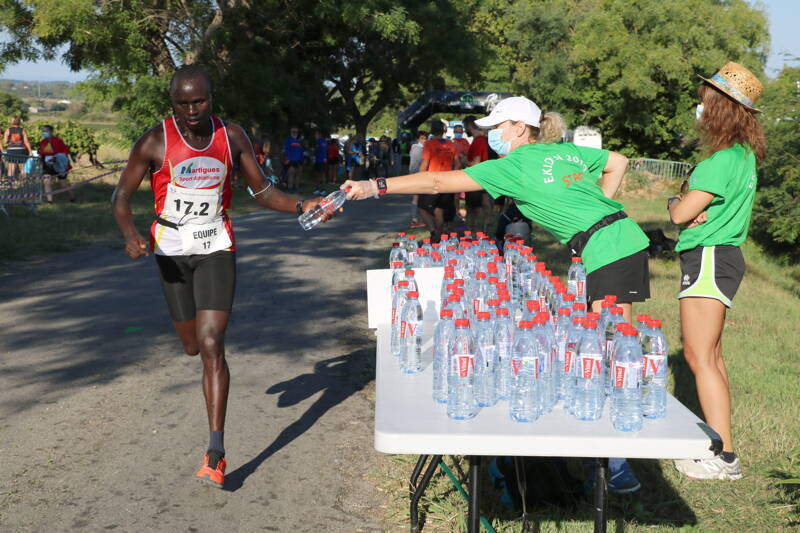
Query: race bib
point(201, 239)
point(191, 206)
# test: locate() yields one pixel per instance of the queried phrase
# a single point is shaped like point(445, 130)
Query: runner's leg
point(211, 327)
point(187, 332)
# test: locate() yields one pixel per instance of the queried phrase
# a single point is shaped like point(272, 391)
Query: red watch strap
point(381, 183)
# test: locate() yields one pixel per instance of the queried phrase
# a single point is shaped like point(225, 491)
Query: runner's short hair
point(437, 127)
point(190, 72)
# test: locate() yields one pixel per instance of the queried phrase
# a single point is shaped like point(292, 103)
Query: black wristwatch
point(298, 207)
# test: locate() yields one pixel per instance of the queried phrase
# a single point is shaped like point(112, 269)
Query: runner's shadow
point(338, 378)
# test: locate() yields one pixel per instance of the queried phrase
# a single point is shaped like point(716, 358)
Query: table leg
point(419, 490)
point(474, 494)
point(600, 494)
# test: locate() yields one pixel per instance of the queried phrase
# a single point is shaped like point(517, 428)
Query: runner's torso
point(192, 189)
point(15, 138)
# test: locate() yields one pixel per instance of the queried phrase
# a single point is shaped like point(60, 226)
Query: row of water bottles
point(535, 347)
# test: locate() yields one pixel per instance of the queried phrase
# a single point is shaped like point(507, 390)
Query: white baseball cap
point(515, 108)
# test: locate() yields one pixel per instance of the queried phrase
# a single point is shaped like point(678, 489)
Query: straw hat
point(738, 83)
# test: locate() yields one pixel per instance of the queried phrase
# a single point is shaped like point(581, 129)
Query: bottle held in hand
point(328, 206)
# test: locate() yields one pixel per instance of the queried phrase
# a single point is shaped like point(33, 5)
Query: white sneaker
point(714, 468)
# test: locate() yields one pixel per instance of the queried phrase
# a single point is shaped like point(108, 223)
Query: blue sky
point(784, 21)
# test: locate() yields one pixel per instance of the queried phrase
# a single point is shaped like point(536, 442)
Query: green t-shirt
point(555, 185)
point(730, 175)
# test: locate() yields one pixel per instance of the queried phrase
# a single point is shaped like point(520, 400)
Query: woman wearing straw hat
point(717, 209)
point(564, 188)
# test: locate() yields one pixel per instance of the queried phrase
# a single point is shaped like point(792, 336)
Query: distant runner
point(189, 157)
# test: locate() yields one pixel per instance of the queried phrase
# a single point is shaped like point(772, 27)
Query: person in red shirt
point(188, 157)
point(55, 162)
point(461, 143)
point(479, 203)
point(438, 154)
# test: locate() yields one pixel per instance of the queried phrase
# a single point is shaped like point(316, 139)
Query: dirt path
point(102, 423)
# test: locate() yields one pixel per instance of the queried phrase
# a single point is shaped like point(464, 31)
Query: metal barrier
point(657, 169)
point(20, 181)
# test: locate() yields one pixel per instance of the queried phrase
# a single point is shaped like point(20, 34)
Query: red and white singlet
point(192, 189)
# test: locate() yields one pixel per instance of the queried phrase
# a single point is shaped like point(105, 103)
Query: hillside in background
point(58, 90)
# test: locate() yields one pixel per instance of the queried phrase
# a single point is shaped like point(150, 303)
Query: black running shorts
point(430, 202)
point(197, 282)
point(628, 279)
point(474, 199)
point(712, 272)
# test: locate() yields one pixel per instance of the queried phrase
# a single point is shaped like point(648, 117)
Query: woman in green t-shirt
point(566, 189)
point(717, 210)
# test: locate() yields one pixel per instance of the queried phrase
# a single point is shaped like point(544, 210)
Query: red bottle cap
point(578, 306)
point(484, 315)
point(480, 275)
point(493, 280)
point(616, 310)
point(397, 264)
point(610, 298)
point(459, 291)
point(446, 313)
point(606, 304)
point(642, 318)
point(593, 316)
point(569, 297)
point(590, 324)
point(409, 272)
point(654, 323)
point(501, 311)
point(494, 303)
point(532, 305)
point(564, 312)
point(576, 259)
point(458, 282)
point(525, 324)
point(462, 323)
point(403, 283)
point(413, 294)
point(454, 298)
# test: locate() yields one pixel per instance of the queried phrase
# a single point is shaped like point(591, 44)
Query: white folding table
point(408, 421)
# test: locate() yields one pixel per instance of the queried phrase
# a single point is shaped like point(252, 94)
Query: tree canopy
point(627, 67)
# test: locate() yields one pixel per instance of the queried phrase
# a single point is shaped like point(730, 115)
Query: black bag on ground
point(546, 481)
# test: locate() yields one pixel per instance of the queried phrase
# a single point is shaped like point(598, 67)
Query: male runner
point(438, 155)
point(189, 157)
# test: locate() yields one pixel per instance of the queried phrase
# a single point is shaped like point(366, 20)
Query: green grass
point(760, 345)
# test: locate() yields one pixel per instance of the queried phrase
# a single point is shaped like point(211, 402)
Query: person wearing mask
point(566, 189)
point(716, 212)
point(438, 155)
point(55, 162)
point(320, 161)
point(15, 140)
point(293, 160)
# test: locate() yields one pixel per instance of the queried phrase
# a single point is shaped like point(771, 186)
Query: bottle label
point(488, 354)
point(562, 350)
point(569, 355)
point(518, 365)
point(626, 375)
point(466, 365)
point(590, 365)
point(477, 305)
point(394, 315)
point(410, 329)
point(580, 288)
point(653, 364)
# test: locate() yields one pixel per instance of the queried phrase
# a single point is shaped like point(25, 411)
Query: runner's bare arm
point(26, 142)
point(419, 183)
point(140, 162)
point(687, 207)
point(613, 173)
point(271, 198)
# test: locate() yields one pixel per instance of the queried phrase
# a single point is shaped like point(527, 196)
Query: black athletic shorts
point(628, 279)
point(474, 198)
point(333, 161)
point(445, 202)
point(712, 272)
point(196, 282)
point(293, 164)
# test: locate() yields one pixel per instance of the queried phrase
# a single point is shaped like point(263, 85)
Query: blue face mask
point(497, 143)
point(458, 135)
point(698, 112)
point(46, 134)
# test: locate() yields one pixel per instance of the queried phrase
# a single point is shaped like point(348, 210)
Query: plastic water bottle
point(442, 339)
point(530, 310)
point(411, 330)
point(504, 341)
point(410, 245)
point(481, 293)
point(578, 309)
point(485, 362)
point(563, 325)
point(543, 344)
point(397, 254)
point(398, 274)
point(626, 396)
point(654, 382)
point(609, 332)
point(576, 280)
point(412, 281)
point(524, 404)
point(398, 299)
point(589, 398)
point(461, 403)
point(568, 370)
point(422, 260)
point(327, 206)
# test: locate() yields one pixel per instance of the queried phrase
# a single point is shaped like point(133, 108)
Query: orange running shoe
point(213, 469)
